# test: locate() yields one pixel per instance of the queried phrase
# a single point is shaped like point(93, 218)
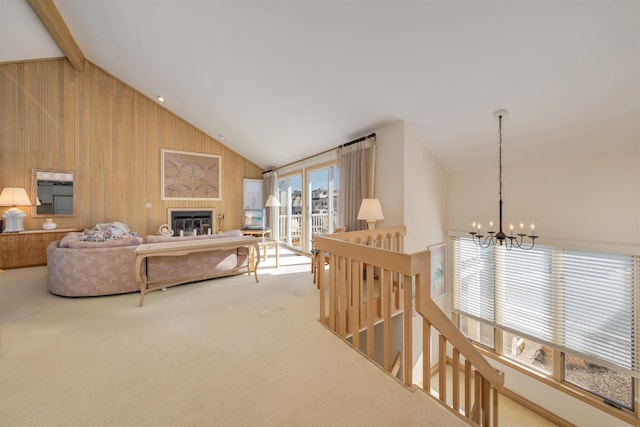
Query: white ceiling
point(284, 79)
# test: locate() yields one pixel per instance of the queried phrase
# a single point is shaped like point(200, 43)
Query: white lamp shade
point(14, 196)
point(272, 201)
point(370, 209)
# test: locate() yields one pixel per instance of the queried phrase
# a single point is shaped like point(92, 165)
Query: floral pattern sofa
point(80, 266)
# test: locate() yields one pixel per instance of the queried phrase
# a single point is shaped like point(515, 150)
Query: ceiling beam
point(52, 20)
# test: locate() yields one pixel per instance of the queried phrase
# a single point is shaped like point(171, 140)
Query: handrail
point(365, 290)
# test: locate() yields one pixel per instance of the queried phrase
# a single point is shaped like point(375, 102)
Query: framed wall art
point(190, 176)
point(252, 189)
point(438, 270)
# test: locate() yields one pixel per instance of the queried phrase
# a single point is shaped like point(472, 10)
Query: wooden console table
point(28, 248)
point(186, 247)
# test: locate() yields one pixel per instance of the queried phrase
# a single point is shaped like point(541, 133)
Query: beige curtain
point(270, 187)
point(356, 164)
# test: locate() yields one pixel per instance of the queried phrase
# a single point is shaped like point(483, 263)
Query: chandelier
point(519, 240)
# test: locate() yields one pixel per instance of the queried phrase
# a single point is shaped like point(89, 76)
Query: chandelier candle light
point(493, 237)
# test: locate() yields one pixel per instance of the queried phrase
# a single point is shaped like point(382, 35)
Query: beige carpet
point(224, 352)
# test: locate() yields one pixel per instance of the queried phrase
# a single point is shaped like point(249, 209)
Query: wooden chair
point(315, 253)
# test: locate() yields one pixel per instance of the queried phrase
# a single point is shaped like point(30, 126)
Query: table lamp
point(273, 202)
point(12, 196)
point(370, 211)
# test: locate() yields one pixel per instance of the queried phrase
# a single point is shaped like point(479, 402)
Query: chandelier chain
point(500, 154)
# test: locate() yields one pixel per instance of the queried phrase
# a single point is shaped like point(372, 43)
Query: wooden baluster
point(343, 301)
point(467, 388)
point(348, 283)
point(333, 292)
point(495, 407)
point(456, 379)
point(442, 368)
point(321, 286)
point(385, 288)
point(477, 399)
point(407, 334)
point(426, 355)
point(486, 404)
point(356, 284)
point(371, 306)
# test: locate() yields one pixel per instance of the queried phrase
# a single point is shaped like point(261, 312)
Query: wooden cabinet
point(27, 248)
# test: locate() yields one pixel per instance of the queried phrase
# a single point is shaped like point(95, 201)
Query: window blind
point(577, 301)
point(599, 298)
point(473, 281)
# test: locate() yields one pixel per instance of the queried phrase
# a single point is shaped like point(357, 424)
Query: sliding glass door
point(309, 205)
point(322, 200)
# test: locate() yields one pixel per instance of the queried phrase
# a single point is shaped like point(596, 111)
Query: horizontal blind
point(526, 293)
point(577, 301)
point(473, 271)
point(599, 304)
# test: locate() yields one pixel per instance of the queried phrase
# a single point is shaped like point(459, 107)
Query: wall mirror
point(54, 193)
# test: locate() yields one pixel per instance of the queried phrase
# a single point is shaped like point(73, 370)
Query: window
point(478, 331)
point(290, 215)
point(615, 387)
point(528, 352)
point(599, 297)
point(581, 303)
point(474, 277)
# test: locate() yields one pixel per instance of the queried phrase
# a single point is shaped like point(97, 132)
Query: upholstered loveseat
point(78, 268)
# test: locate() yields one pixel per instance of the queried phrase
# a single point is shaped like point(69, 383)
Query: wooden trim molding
point(52, 20)
point(573, 391)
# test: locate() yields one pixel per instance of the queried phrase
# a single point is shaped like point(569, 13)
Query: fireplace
point(191, 221)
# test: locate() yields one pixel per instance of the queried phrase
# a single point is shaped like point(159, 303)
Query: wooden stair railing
point(370, 282)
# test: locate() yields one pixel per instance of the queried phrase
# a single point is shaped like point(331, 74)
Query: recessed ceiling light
point(160, 99)
point(221, 137)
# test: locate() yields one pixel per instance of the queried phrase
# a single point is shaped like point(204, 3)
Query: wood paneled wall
point(54, 117)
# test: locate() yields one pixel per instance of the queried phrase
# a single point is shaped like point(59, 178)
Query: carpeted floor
point(224, 352)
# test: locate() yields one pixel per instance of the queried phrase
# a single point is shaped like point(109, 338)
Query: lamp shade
point(272, 201)
point(370, 209)
point(14, 196)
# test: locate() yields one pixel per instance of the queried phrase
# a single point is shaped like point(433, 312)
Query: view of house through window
point(477, 331)
point(528, 352)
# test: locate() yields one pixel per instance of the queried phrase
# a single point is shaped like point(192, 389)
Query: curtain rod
point(364, 138)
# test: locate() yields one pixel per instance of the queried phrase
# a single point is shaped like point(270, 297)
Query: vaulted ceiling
point(284, 79)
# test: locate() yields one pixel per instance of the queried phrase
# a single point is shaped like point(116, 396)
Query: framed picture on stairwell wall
point(438, 270)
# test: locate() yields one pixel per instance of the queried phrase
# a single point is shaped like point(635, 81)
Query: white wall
point(389, 181)
point(411, 186)
point(424, 196)
point(586, 199)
